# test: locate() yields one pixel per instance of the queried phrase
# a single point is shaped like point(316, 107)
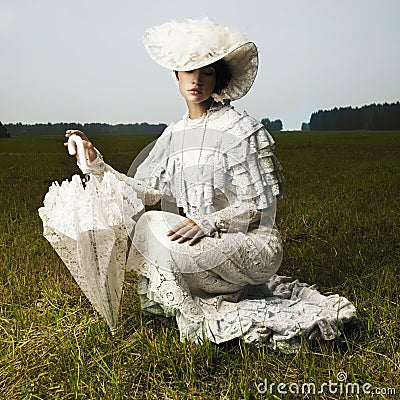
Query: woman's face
point(197, 86)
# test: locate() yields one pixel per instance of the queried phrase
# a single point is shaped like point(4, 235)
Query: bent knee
point(158, 218)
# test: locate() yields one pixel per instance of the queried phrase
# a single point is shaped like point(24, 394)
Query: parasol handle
point(75, 144)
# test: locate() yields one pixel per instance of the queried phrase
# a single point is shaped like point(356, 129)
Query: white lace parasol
point(88, 226)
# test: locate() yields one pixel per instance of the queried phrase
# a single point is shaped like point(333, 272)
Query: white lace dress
point(220, 171)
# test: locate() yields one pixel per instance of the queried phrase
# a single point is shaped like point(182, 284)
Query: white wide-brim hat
point(195, 43)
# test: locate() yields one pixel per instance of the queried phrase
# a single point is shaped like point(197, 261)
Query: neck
point(197, 110)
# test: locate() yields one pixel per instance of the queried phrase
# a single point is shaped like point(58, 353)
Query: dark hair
point(223, 75)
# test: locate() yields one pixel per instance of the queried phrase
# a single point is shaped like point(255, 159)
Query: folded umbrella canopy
point(88, 226)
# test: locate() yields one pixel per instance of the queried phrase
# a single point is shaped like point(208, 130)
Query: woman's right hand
point(89, 148)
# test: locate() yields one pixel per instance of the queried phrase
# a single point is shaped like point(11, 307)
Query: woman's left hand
point(187, 230)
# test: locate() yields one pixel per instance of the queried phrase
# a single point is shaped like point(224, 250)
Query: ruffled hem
point(239, 297)
point(288, 312)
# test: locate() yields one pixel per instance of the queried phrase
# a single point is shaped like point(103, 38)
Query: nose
point(196, 77)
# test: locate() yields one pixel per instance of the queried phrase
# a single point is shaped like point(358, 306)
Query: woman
point(208, 258)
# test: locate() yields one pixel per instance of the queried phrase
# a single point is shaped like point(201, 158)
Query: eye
point(209, 71)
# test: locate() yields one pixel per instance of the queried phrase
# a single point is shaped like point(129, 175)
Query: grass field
point(340, 225)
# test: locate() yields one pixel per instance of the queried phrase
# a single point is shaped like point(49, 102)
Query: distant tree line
point(272, 125)
point(3, 131)
point(19, 129)
point(370, 117)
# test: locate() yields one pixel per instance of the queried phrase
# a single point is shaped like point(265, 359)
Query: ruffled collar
point(211, 112)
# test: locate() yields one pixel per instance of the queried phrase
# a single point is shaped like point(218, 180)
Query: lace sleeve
point(230, 219)
point(235, 218)
point(149, 196)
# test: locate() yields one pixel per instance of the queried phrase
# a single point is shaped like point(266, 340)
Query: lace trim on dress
point(255, 171)
point(252, 159)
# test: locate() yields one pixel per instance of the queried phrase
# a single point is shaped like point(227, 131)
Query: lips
point(194, 91)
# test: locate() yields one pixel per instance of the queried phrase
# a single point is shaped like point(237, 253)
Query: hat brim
point(243, 65)
point(242, 61)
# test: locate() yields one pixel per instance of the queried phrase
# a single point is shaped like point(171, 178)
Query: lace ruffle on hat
point(192, 44)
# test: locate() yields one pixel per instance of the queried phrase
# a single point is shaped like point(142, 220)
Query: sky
point(84, 61)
